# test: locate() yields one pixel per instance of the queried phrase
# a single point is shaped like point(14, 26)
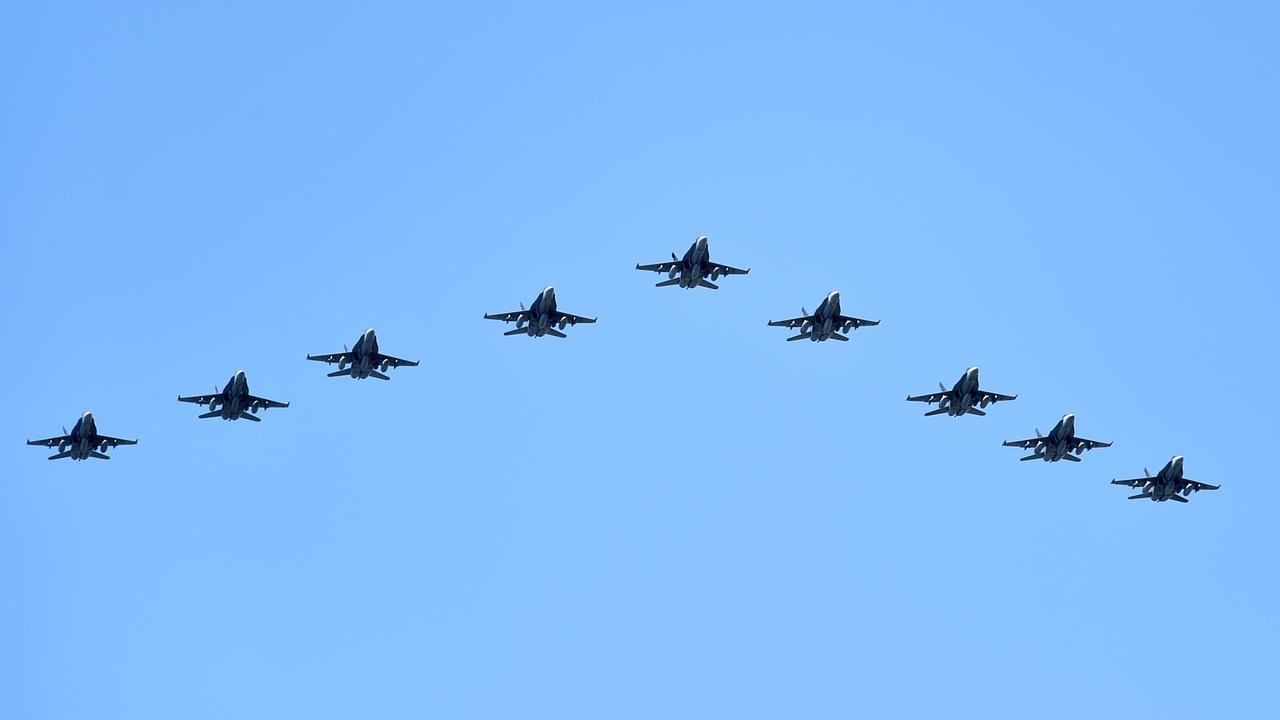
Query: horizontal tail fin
point(1031, 457)
point(517, 331)
point(975, 411)
point(248, 416)
point(215, 413)
point(380, 376)
point(667, 283)
point(100, 456)
point(708, 284)
point(556, 333)
point(339, 373)
point(1140, 496)
point(59, 456)
point(939, 411)
point(801, 336)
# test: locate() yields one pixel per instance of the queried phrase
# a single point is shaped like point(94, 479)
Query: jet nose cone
point(1177, 460)
point(835, 295)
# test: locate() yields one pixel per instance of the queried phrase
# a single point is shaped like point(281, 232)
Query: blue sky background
point(674, 513)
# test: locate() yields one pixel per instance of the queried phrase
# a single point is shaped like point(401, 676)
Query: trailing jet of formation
point(83, 442)
point(695, 269)
point(964, 398)
point(364, 359)
point(1166, 485)
point(1059, 444)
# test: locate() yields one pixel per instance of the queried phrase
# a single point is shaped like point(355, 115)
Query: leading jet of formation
point(234, 402)
point(693, 269)
point(1166, 484)
point(83, 442)
point(962, 398)
point(826, 323)
point(364, 359)
point(542, 317)
point(1059, 444)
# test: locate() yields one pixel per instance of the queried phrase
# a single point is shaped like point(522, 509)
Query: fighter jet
point(235, 401)
point(825, 324)
point(1059, 444)
point(962, 397)
point(1166, 484)
point(364, 358)
point(83, 442)
point(542, 317)
point(693, 268)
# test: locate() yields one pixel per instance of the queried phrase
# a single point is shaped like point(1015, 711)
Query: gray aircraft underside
point(83, 442)
point(542, 317)
point(1166, 485)
point(964, 398)
point(364, 358)
point(826, 323)
point(234, 402)
point(1058, 444)
point(694, 269)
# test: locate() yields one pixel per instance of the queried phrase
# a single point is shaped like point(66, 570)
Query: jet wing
point(1025, 444)
point(263, 402)
point(793, 322)
point(114, 442)
point(1134, 482)
point(507, 316)
point(201, 399)
point(662, 267)
point(572, 319)
point(395, 361)
point(52, 442)
point(1091, 444)
point(329, 358)
point(726, 270)
point(930, 398)
point(1198, 486)
point(997, 397)
point(857, 322)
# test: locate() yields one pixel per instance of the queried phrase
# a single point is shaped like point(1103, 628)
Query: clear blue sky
point(673, 513)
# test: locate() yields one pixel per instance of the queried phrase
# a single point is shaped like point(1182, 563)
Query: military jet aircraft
point(542, 318)
point(83, 442)
point(962, 397)
point(824, 324)
point(234, 402)
point(1059, 444)
point(364, 358)
point(1166, 484)
point(693, 268)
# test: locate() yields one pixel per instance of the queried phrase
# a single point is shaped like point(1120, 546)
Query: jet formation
point(695, 269)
